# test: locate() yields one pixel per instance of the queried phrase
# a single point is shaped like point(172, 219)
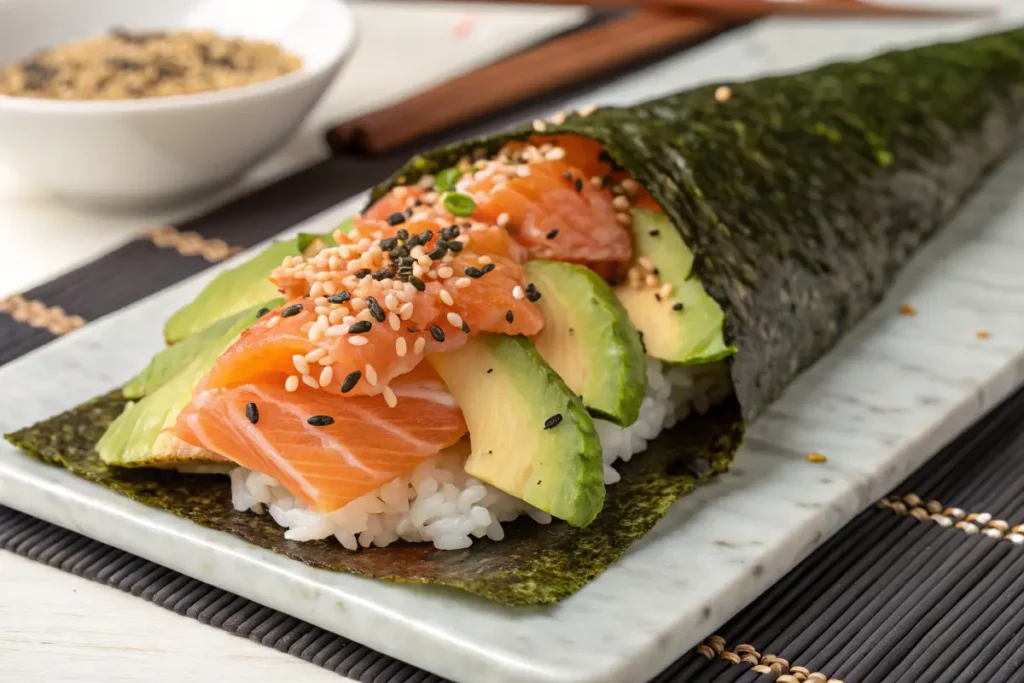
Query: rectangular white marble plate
point(878, 406)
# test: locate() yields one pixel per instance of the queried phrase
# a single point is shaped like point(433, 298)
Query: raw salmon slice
point(327, 465)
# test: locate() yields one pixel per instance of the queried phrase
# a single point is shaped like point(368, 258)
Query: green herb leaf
point(446, 179)
point(459, 204)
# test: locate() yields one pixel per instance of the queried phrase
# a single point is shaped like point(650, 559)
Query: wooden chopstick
point(747, 9)
point(561, 62)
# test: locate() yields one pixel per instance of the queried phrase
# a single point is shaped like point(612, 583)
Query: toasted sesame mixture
point(131, 65)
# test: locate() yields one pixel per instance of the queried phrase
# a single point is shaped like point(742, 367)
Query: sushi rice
point(438, 502)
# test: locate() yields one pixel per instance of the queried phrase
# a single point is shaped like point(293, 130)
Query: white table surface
point(57, 627)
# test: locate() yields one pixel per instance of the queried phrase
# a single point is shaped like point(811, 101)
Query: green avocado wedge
point(136, 438)
point(589, 341)
point(684, 326)
point(531, 436)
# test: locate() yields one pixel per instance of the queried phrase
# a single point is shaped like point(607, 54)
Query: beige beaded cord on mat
point(125, 65)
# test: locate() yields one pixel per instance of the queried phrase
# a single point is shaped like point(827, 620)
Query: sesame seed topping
point(620, 203)
point(437, 333)
point(316, 354)
point(587, 110)
point(445, 272)
point(723, 93)
point(463, 282)
point(419, 345)
point(503, 219)
point(358, 341)
point(371, 375)
point(517, 292)
point(360, 327)
point(508, 316)
point(335, 331)
point(301, 364)
point(375, 310)
point(396, 218)
point(262, 312)
point(252, 413)
point(456, 246)
point(401, 347)
point(454, 319)
point(677, 306)
point(294, 309)
point(555, 154)
point(531, 292)
point(362, 272)
point(558, 118)
point(552, 234)
point(394, 322)
point(292, 383)
point(473, 272)
point(405, 312)
point(418, 283)
point(326, 375)
point(272, 323)
point(523, 171)
point(578, 184)
point(351, 379)
point(654, 233)
point(389, 397)
point(624, 219)
point(645, 263)
point(651, 280)
point(310, 381)
point(321, 420)
point(488, 267)
point(446, 297)
point(553, 421)
point(539, 126)
point(666, 289)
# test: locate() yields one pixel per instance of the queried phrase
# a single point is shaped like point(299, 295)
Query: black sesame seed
point(417, 203)
point(362, 272)
point(487, 268)
point(426, 236)
point(294, 309)
point(578, 185)
point(252, 412)
point(642, 344)
point(339, 298)
point(360, 327)
point(465, 327)
point(262, 312)
point(413, 329)
point(450, 233)
point(417, 283)
point(396, 218)
point(508, 316)
point(388, 244)
point(383, 274)
point(442, 244)
point(553, 421)
point(438, 253)
point(408, 212)
point(655, 271)
point(456, 246)
point(474, 272)
point(552, 234)
point(350, 381)
point(321, 420)
point(654, 233)
point(567, 176)
point(467, 225)
point(375, 310)
point(604, 156)
point(437, 333)
point(402, 234)
point(531, 292)
point(490, 370)
point(677, 306)
point(657, 296)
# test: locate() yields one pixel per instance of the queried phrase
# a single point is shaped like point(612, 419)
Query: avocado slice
point(589, 340)
point(686, 325)
point(244, 286)
point(531, 436)
point(169, 362)
point(136, 438)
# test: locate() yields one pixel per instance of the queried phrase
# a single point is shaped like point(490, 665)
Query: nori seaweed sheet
point(802, 197)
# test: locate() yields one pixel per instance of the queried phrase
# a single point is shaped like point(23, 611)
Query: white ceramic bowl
point(154, 151)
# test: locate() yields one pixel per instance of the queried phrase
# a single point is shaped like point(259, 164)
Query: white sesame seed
point(321, 301)
point(389, 397)
point(454, 319)
point(417, 270)
point(431, 274)
point(651, 280)
point(391, 302)
point(358, 341)
point(272, 323)
point(316, 289)
point(310, 382)
point(419, 345)
point(539, 126)
point(394, 322)
point(555, 154)
point(523, 171)
point(371, 375)
point(353, 265)
point(545, 148)
point(425, 181)
point(337, 315)
point(407, 296)
point(326, 375)
point(723, 93)
point(292, 383)
point(645, 263)
point(518, 293)
point(316, 354)
point(357, 303)
point(621, 203)
point(445, 272)
point(401, 347)
point(666, 289)
point(558, 118)
point(306, 327)
point(336, 331)
point(348, 319)
point(322, 320)
point(630, 186)
point(484, 260)
point(322, 310)
point(446, 297)
point(463, 282)
point(587, 110)
point(503, 219)
point(405, 312)
point(301, 364)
